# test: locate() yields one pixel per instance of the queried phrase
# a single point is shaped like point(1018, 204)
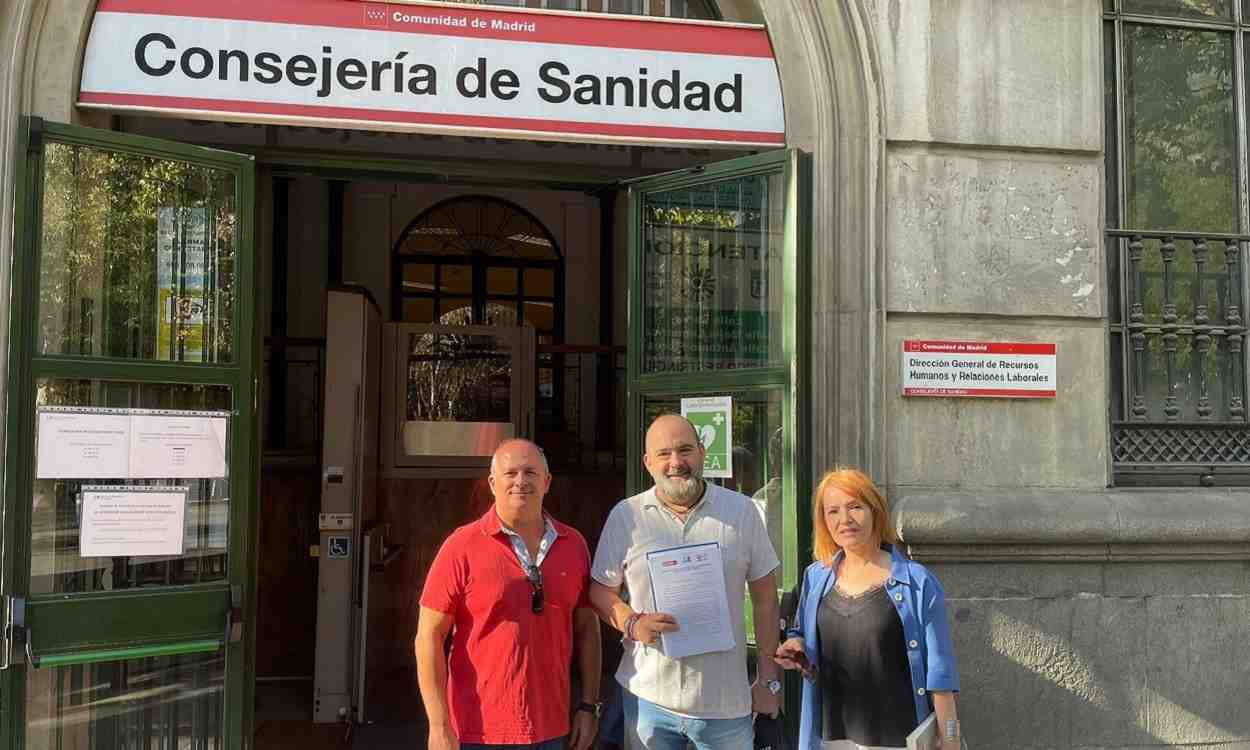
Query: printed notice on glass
point(171, 444)
point(132, 521)
point(979, 369)
point(83, 443)
point(689, 583)
point(101, 443)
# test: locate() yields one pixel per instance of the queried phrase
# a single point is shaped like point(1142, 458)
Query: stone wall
point(1084, 617)
point(1094, 620)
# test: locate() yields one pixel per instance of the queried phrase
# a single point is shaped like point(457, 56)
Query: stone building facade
point(969, 160)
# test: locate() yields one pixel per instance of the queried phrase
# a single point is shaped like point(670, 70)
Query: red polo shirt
point(508, 670)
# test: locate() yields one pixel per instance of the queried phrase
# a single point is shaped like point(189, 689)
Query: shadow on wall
point(1081, 670)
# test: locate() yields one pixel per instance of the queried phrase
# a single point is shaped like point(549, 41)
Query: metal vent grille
point(1208, 445)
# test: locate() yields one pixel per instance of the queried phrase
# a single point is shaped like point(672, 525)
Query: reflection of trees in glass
point(1196, 299)
point(98, 270)
point(1179, 128)
point(1189, 367)
point(1181, 8)
point(458, 377)
point(709, 257)
point(1189, 289)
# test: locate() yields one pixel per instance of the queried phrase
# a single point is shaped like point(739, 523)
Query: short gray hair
point(543, 456)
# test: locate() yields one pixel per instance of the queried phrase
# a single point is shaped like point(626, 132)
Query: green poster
point(712, 417)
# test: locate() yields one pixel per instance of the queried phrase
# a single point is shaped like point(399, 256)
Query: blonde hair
point(857, 484)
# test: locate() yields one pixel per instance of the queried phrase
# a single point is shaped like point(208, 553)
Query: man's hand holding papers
point(649, 626)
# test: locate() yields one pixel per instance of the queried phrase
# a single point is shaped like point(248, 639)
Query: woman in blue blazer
point(871, 634)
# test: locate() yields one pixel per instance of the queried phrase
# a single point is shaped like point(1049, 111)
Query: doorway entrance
point(632, 295)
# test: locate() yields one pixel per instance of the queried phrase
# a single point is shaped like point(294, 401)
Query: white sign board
point(713, 420)
point(101, 443)
point(130, 521)
point(82, 443)
point(170, 444)
point(978, 369)
point(437, 68)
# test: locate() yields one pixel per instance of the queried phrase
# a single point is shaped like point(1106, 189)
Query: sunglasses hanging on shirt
point(535, 576)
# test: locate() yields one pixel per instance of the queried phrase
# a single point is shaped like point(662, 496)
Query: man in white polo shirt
point(705, 699)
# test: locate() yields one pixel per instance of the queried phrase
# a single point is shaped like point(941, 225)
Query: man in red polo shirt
point(511, 589)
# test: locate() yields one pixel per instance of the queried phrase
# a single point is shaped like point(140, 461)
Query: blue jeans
point(556, 744)
point(654, 728)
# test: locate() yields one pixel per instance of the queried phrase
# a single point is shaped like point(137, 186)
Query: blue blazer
point(921, 605)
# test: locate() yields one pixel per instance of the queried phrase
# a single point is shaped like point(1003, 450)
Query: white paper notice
point(173, 445)
point(130, 521)
point(76, 443)
point(98, 443)
point(689, 584)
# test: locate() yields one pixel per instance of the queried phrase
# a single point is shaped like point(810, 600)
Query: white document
point(128, 521)
point(169, 444)
point(78, 443)
point(689, 584)
point(925, 736)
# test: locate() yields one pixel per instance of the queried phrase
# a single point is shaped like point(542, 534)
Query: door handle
point(17, 635)
point(14, 629)
point(119, 654)
point(234, 615)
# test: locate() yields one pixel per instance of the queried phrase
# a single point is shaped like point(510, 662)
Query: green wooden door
point(129, 480)
point(718, 307)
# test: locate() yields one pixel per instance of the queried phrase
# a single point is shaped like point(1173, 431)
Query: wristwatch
point(774, 686)
point(595, 709)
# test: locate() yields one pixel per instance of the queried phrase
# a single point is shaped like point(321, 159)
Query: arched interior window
point(479, 260)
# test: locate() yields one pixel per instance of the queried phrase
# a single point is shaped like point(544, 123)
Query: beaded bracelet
point(628, 630)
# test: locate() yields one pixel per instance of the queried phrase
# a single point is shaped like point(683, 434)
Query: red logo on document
point(376, 14)
point(669, 563)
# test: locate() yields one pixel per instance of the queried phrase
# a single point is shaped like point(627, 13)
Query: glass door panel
point(127, 564)
point(717, 307)
point(709, 252)
point(136, 704)
point(136, 256)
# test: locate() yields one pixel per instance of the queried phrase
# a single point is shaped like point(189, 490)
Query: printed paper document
point(75, 444)
point(102, 443)
point(689, 583)
point(128, 521)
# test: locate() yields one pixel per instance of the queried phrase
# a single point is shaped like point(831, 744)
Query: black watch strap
point(595, 709)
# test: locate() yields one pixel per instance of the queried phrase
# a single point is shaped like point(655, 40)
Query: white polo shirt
point(706, 686)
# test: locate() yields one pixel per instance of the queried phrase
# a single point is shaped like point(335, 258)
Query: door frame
point(231, 603)
point(791, 377)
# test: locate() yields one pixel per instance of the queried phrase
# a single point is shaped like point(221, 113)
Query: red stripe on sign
point(533, 125)
point(976, 347)
point(980, 392)
point(669, 35)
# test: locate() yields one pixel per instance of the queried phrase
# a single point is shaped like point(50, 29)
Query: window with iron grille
point(1176, 240)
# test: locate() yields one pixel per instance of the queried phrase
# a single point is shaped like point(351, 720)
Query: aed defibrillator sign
point(440, 68)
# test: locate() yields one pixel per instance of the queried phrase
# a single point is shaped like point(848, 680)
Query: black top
point(865, 679)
